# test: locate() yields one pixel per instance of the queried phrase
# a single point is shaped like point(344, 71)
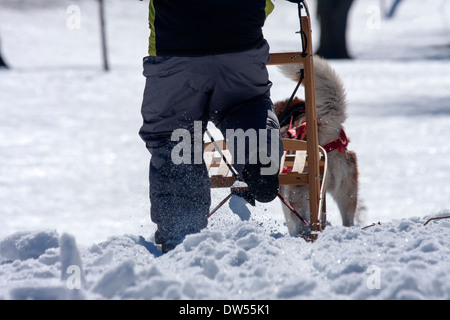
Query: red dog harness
point(339, 144)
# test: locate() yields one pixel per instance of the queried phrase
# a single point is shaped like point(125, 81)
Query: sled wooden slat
point(215, 162)
point(297, 162)
point(222, 182)
point(293, 178)
point(208, 158)
point(209, 146)
point(294, 144)
point(283, 160)
point(221, 176)
point(223, 167)
point(286, 58)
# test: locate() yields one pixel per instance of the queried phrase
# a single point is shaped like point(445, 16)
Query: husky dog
point(342, 179)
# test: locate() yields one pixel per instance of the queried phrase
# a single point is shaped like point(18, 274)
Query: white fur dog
point(342, 179)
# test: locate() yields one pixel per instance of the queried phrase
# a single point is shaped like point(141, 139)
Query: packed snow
point(74, 173)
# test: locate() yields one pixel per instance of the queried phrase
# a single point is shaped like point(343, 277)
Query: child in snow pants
point(207, 62)
point(232, 91)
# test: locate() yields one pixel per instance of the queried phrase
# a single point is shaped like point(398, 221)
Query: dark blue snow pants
point(230, 90)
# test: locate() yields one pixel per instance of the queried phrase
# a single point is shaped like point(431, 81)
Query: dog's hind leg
point(346, 192)
point(347, 202)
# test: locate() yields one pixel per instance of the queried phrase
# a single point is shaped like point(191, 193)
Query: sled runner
point(303, 162)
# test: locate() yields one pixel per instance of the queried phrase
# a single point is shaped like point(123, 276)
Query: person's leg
point(179, 184)
point(179, 196)
point(252, 133)
point(242, 109)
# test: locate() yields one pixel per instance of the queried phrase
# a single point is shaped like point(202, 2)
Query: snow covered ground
point(73, 171)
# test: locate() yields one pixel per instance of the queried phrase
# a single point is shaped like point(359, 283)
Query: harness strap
point(340, 143)
point(297, 133)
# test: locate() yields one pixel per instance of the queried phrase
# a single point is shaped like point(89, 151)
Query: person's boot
point(264, 188)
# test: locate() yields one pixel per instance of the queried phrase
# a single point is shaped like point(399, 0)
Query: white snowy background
point(74, 172)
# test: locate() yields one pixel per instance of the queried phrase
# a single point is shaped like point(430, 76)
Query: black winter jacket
point(206, 27)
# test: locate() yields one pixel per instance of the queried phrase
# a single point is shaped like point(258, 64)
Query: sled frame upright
point(314, 161)
point(305, 61)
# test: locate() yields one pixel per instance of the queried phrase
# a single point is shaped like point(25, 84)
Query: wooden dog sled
point(306, 160)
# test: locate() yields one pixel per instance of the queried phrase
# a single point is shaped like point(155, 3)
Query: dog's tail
point(330, 92)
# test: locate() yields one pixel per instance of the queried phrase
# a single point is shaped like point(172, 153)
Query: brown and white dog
point(342, 179)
